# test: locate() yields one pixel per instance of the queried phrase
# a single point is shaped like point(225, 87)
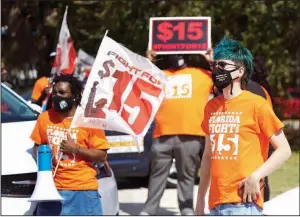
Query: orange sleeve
point(39, 87)
point(36, 92)
point(39, 134)
point(97, 140)
point(268, 122)
point(268, 97)
point(204, 124)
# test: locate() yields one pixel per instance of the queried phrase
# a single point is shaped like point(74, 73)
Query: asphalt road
point(132, 197)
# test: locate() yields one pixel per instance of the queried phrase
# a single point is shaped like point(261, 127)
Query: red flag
point(65, 59)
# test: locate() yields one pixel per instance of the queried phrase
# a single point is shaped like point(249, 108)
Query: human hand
point(69, 146)
point(151, 54)
point(47, 90)
point(209, 55)
point(249, 189)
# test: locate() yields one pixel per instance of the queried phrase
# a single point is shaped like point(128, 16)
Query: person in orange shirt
point(177, 133)
point(259, 86)
point(40, 90)
point(41, 86)
point(74, 149)
point(235, 162)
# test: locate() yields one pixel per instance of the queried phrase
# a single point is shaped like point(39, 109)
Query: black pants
point(267, 190)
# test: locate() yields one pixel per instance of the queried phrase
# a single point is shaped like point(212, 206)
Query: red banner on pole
point(65, 59)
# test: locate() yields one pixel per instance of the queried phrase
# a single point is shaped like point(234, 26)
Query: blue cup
point(44, 158)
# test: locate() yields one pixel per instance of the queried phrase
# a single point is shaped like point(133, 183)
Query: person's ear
point(241, 71)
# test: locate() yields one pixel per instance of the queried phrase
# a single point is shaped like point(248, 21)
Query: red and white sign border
point(179, 18)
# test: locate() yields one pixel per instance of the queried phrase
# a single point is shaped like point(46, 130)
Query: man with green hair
point(238, 126)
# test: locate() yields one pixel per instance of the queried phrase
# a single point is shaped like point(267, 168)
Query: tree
point(268, 28)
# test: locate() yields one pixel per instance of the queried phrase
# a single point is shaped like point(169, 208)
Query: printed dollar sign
point(166, 31)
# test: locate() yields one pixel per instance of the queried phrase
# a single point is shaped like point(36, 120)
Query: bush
point(292, 133)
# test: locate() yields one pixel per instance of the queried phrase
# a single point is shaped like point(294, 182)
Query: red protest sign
point(184, 35)
point(135, 110)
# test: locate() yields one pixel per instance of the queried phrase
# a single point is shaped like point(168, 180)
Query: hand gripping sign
point(123, 92)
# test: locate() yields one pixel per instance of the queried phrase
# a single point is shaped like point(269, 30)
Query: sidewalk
point(132, 201)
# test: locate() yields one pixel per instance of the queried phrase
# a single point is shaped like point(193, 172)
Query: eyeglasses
point(221, 65)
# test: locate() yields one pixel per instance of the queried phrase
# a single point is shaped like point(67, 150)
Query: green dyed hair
point(233, 50)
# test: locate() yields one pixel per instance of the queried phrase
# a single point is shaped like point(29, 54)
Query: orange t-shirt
point(265, 140)
point(181, 112)
point(268, 97)
point(73, 173)
point(39, 87)
point(235, 128)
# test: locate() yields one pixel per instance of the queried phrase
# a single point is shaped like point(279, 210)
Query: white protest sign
point(123, 92)
point(84, 58)
point(84, 64)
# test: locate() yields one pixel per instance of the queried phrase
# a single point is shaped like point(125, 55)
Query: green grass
point(286, 177)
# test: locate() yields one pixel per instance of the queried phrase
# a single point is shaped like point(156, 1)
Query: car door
point(18, 166)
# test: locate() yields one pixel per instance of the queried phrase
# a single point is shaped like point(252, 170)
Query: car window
point(13, 109)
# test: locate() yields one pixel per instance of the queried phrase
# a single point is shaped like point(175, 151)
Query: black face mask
point(222, 78)
point(62, 104)
point(176, 61)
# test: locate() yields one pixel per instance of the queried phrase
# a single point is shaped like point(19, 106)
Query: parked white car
point(19, 169)
point(284, 204)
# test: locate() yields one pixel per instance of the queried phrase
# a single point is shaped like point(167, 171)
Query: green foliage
point(286, 177)
point(267, 28)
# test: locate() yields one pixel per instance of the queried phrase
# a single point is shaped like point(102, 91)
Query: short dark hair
point(76, 85)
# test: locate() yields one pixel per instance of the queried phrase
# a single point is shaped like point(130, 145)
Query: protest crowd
point(212, 112)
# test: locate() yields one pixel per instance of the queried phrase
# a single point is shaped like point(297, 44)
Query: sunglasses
point(221, 65)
